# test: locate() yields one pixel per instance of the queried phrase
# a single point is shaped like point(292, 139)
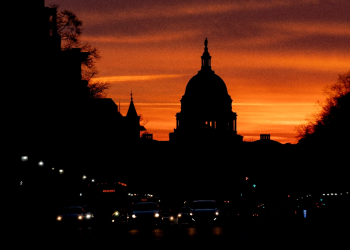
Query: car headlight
point(133, 216)
point(179, 215)
point(59, 218)
point(88, 216)
point(191, 214)
point(156, 215)
point(80, 217)
point(171, 218)
point(217, 213)
point(116, 214)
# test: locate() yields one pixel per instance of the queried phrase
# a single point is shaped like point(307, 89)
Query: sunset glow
point(276, 57)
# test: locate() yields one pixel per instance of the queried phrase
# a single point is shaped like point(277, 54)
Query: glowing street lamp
point(84, 177)
point(61, 171)
point(24, 158)
point(40, 163)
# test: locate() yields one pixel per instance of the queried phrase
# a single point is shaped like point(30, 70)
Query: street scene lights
point(40, 163)
point(24, 158)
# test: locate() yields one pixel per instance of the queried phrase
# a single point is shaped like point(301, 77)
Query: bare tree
point(69, 28)
point(333, 122)
point(98, 89)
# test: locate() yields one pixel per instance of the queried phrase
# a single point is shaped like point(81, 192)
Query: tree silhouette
point(333, 122)
point(69, 29)
point(98, 89)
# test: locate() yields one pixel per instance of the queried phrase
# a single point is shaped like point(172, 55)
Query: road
point(245, 234)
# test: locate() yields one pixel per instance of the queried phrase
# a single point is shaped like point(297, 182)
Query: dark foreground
point(243, 234)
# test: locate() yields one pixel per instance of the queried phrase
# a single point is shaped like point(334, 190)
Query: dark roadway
point(245, 234)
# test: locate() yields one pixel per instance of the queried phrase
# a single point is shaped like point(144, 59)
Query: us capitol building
point(206, 108)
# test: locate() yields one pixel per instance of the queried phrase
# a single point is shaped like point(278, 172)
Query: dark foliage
point(98, 89)
point(332, 124)
point(69, 28)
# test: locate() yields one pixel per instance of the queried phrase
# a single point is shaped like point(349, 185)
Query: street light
point(84, 177)
point(61, 171)
point(40, 163)
point(24, 158)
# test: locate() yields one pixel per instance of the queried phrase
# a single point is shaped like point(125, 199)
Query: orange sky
point(275, 56)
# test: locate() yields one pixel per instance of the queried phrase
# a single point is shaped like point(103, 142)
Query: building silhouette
point(206, 108)
point(265, 142)
point(109, 125)
point(53, 112)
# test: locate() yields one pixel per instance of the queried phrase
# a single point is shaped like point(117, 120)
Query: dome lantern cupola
point(206, 58)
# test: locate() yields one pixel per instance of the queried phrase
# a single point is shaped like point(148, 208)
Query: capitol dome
point(206, 83)
point(206, 92)
point(206, 107)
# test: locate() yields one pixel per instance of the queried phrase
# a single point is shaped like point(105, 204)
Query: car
point(74, 214)
point(204, 211)
point(118, 215)
point(168, 216)
point(183, 215)
point(144, 213)
point(107, 213)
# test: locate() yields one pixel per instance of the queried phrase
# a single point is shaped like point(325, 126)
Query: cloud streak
point(190, 8)
point(310, 28)
point(114, 79)
point(143, 38)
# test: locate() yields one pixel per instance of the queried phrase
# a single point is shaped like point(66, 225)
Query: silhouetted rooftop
point(132, 110)
point(104, 106)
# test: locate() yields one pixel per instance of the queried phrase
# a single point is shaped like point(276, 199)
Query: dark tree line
point(332, 124)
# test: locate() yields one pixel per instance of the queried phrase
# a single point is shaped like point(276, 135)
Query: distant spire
point(206, 58)
point(132, 109)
